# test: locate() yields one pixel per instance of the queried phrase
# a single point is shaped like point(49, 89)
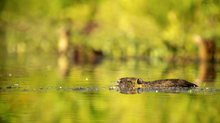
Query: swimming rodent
point(138, 82)
point(133, 85)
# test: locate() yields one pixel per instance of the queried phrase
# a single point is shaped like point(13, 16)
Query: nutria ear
point(139, 81)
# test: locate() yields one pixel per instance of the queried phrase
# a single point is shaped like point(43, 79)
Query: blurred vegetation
point(118, 28)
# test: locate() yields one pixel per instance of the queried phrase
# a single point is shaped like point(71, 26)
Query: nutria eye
point(139, 81)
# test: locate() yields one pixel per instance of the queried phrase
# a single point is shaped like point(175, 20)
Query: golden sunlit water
point(33, 90)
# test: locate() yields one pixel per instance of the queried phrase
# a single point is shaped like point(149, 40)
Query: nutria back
point(138, 82)
point(170, 83)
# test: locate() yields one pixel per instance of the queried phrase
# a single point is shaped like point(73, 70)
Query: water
point(34, 90)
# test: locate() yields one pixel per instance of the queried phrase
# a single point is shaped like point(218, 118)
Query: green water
point(33, 90)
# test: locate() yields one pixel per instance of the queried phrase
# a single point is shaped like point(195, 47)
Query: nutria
point(133, 82)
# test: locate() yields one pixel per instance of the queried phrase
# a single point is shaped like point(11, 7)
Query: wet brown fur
point(137, 82)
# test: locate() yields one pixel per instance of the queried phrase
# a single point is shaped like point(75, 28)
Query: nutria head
point(130, 82)
point(130, 85)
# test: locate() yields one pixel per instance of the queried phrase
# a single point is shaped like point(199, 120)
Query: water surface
point(34, 90)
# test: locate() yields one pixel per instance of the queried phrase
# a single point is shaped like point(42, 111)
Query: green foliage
point(125, 28)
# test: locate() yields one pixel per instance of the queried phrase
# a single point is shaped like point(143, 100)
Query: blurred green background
point(36, 80)
point(118, 28)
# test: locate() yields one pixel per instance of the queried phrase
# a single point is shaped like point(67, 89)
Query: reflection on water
point(207, 72)
point(32, 91)
point(63, 65)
